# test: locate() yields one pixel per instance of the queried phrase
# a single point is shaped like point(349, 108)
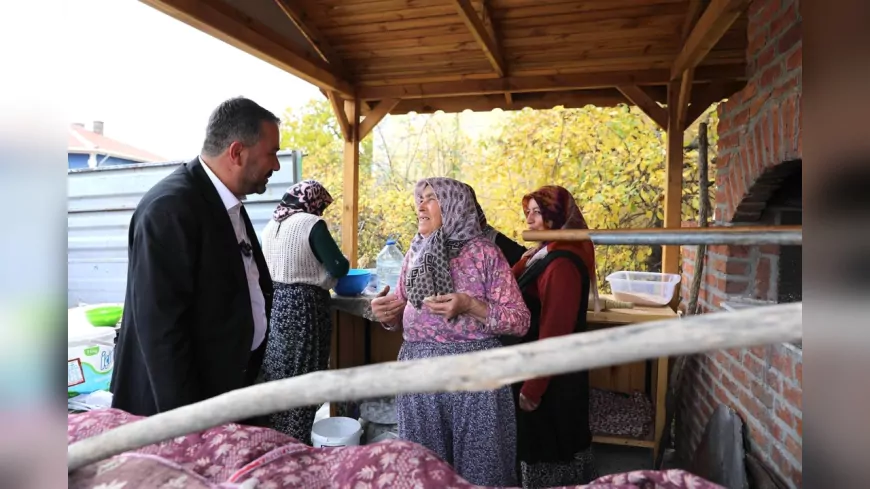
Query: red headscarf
point(560, 211)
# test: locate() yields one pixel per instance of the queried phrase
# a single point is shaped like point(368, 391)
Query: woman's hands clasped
point(449, 305)
point(388, 308)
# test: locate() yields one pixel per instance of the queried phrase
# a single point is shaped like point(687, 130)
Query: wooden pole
point(477, 371)
point(350, 211)
point(676, 376)
point(704, 214)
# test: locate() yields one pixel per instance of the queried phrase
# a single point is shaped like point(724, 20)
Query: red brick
point(794, 447)
point(763, 394)
point(764, 156)
point(738, 251)
point(785, 415)
point(765, 57)
point(773, 380)
point(799, 373)
point(776, 127)
point(794, 396)
point(795, 59)
point(757, 39)
point(758, 436)
point(767, 125)
point(769, 249)
point(799, 426)
point(760, 352)
point(717, 301)
point(783, 21)
point(782, 463)
point(753, 365)
point(740, 118)
point(735, 287)
point(755, 408)
point(790, 38)
point(720, 395)
point(730, 386)
point(797, 478)
point(749, 91)
point(740, 375)
point(791, 83)
point(758, 102)
point(782, 361)
point(768, 77)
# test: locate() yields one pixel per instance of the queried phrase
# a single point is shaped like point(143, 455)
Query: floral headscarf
point(429, 273)
point(560, 211)
point(307, 196)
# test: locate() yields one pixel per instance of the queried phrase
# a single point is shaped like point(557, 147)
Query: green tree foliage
point(611, 159)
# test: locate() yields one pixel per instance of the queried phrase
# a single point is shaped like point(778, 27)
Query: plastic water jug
point(389, 265)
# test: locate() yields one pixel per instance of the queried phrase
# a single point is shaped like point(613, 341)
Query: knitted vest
point(288, 252)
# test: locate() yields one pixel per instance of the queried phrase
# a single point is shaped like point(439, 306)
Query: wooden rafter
point(717, 18)
point(685, 97)
point(296, 14)
point(644, 102)
point(376, 115)
point(227, 23)
point(707, 95)
point(694, 11)
point(543, 83)
point(487, 41)
point(338, 109)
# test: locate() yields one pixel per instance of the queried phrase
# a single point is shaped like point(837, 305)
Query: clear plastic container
point(389, 265)
point(643, 288)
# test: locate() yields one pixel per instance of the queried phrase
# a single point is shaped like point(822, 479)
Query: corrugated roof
point(81, 140)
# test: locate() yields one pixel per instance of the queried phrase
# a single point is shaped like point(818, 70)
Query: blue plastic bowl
point(353, 283)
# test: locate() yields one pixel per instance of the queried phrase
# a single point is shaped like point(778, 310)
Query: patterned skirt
point(299, 343)
point(475, 432)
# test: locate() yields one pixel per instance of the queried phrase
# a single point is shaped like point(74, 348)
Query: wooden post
point(670, 254)
point(350, 211)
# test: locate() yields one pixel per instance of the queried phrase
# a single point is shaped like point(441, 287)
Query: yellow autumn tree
point(611, 159)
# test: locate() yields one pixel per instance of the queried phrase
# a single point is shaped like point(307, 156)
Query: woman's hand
point(449, 305)
point(527, 404)
point(386, 307)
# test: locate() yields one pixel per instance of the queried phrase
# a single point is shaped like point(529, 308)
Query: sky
point(153, 80)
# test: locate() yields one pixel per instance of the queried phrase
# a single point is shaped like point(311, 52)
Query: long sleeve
point(327, 252)
point(512, 250)
point(560, 289)
point(507, 313)
point(162, 254)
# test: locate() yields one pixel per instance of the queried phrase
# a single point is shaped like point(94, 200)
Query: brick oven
point(758, 182)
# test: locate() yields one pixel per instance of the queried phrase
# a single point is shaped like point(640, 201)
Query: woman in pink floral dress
point(456, 295)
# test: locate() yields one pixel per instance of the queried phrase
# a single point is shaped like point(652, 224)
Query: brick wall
point(759, 159)
point(764, 385)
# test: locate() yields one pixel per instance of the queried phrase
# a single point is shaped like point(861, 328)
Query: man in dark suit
point(198, 291)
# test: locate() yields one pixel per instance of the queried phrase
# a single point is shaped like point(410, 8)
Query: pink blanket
point(231, 456)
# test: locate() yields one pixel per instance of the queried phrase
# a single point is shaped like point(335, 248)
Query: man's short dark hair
point(237, 119)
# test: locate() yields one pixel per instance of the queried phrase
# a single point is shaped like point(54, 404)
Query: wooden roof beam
point(706, 95)
point(232, 26)
point(608, 97)
point(338, 108)
point(543, 83)
point(376, 115)
point(717, 18)
point(644, 102)
point(487, 42)
point(317, 40)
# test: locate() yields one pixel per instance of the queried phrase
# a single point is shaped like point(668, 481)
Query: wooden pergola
point(670, 58)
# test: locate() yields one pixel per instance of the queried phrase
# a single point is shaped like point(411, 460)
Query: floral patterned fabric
point(481, 271)
point(237, 457)
point(307, 196)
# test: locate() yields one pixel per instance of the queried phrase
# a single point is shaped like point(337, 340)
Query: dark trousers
point(255, 363)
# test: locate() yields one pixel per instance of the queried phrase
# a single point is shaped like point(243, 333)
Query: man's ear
point(235, 152)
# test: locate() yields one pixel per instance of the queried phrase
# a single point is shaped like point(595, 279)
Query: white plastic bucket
point(336, 432)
